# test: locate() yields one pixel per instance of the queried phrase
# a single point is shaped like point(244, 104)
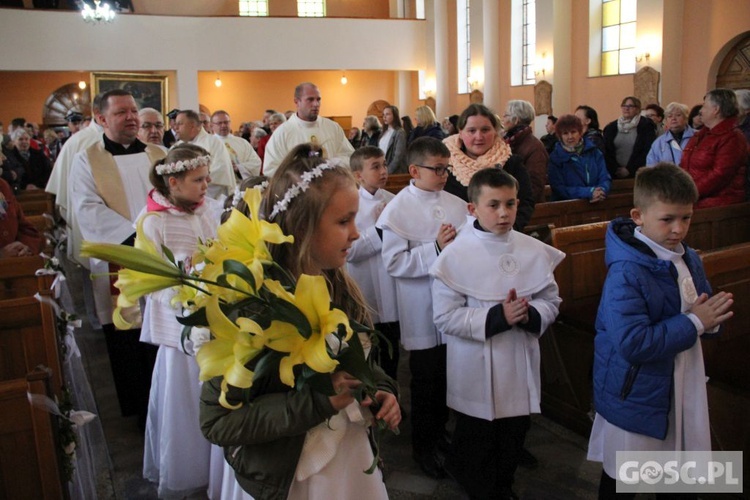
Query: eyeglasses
point(225, 122)
point(439, 171)
point(147, 125)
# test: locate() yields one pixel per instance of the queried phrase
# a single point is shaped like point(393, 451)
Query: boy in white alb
point(494, 294)
point(417, 225)
point(365, 261)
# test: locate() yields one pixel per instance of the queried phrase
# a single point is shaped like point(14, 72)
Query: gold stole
point(109, 185)
point(107, 176)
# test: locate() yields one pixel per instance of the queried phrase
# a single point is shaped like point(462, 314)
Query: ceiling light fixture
point(217, 82)
point(344, 79)
point(100, 12)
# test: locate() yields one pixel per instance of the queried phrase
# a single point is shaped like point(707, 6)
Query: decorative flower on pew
point(260, 318)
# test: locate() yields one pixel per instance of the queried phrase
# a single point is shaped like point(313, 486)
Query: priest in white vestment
point(109, 182)
point(245, 161)
point(306, 126)
point(58, 181)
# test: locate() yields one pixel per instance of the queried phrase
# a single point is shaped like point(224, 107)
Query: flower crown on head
point(238, 195)
point(182, 165)
point(300, 187)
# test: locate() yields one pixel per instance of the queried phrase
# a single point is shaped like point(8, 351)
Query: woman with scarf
point(576, 166)
point(478, 145)
point(518, 135)
point(628, 139)
point(35, 166)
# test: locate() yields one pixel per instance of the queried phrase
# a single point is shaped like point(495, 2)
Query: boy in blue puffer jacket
point(649, 378)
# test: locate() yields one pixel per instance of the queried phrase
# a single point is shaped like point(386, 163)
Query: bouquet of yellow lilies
point(252, 318)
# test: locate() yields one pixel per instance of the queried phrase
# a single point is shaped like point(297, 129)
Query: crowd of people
point(422, 279)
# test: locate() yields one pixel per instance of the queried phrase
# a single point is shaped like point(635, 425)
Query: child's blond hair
point(300, 219)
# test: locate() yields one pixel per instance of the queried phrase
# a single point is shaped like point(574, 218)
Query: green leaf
point(318, 382)
point(267, 363)
point(184, 336)
point(353, 361)
point(168, 254)
point(239, 269)
point(197, 318)
point(288, 313)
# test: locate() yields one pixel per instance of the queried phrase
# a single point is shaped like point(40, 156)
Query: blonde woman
point(427, 125)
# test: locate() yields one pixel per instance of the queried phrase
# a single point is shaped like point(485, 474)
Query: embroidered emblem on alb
point(508, 265)
point(687, 288)
point(438, 212)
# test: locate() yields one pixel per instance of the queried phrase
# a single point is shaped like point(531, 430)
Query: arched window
point(523, 42)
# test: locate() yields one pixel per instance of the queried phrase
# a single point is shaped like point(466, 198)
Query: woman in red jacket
point(18, 237)
point(716, 156)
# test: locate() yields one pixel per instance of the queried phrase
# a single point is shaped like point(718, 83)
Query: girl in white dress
point(298, 443)
point(177, 215)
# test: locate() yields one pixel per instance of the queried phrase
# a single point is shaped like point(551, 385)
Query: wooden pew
point(28, 447)
point(573, 212)
point(397, 182)
point(719, 227)
point(17, 276)
point(728, 269)
point(28, 338)
point(36, 203)
point(620, 186)
point(567, 350)
point(567, 354)
point(42, 223)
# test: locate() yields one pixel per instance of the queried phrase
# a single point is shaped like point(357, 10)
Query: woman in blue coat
point(576, 168)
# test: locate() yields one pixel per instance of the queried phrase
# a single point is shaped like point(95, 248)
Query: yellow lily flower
point(244, 239)
point(234, 346)
point(311, 297)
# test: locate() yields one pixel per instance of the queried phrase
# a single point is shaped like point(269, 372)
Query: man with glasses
point(190, 130)
point(245, 161)
point(152, 127)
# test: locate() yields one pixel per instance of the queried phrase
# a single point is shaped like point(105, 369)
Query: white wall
point(63, 41)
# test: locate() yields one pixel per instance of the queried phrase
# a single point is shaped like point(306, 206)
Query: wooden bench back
point(574, 212)
point(28, 449)
point(728, 269)
point(28, 338)
point(581, 274)
point(719, 227)
point(397, 182)
point(17, 276)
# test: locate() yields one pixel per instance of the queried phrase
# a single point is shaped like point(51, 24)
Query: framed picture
point(149, 91)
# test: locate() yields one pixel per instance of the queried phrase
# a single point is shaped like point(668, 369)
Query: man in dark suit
point(169, 135)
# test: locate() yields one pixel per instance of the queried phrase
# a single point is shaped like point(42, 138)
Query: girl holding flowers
point(177, 216)
point(299, 442)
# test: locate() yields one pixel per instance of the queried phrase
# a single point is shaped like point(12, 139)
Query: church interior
point(364, 55)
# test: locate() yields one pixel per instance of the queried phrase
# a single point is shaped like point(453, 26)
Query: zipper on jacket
point(629, 380)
